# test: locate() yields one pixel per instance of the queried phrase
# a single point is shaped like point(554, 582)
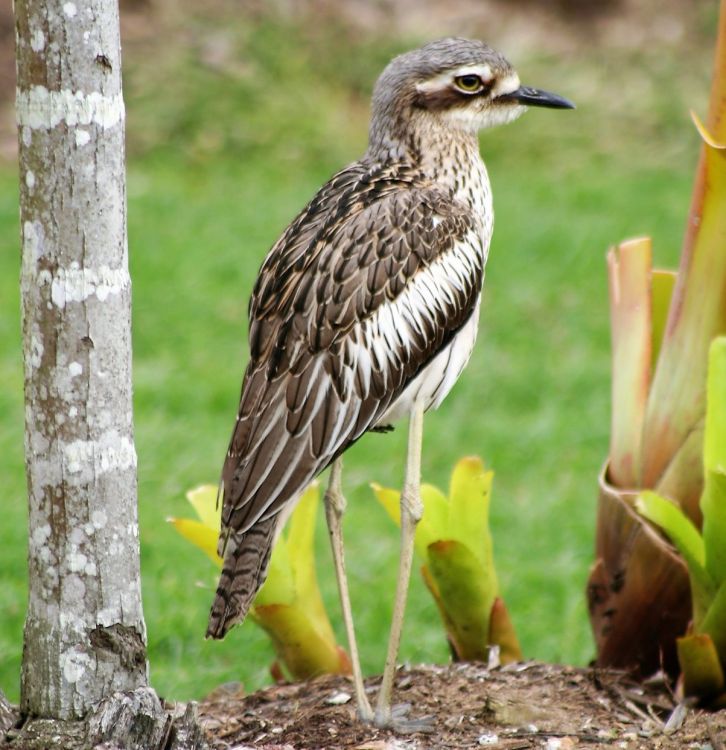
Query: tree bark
point(84, 632)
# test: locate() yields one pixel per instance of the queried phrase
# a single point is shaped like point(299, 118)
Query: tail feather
point(245, 568)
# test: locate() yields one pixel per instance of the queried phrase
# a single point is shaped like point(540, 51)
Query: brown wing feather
point(321, 373)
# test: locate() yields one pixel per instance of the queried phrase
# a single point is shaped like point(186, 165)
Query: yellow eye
point(469, 84)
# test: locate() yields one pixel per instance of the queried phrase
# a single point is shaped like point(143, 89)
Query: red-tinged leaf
point(717, 107)
point(637, 577)
point(433, 587)
point(698, 309)
point(703, 675)
point(502, 633)
point(277, 673)
point(629, 274)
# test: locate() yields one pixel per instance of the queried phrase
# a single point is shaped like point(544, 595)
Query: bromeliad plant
point(454, 540)
point(702, 652)
point(662, 327)
point(289, 606)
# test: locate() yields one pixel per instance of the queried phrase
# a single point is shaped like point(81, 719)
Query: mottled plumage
point(368, 303)
point(357, 296)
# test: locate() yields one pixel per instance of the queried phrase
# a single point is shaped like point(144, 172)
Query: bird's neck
point(451, 160)
point(446, 157)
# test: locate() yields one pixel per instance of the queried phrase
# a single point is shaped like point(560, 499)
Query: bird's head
point(458, 84)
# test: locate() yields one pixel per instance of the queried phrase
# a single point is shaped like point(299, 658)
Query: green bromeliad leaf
point(434, 523)
point(714, 623)
point(465, 595)
point(203, 533)
point(301, 647)
point(688, 542)
point(469, 496)
point(288, 605)
point(454, 540)
point(705, 555)
point(279, 586)
point(702, 671)
point(301, 553)
point(205, 501)
point(679, 528)
point(713, 500)
point(662, 283)
point(199, 535)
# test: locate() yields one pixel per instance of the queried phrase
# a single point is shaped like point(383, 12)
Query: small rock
point(676, 719)
point(560, 743)
point(338, 699)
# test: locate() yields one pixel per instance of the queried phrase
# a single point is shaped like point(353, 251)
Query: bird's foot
point(396, 719)
point(365, 712)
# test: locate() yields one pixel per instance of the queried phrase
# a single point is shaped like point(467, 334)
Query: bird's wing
point(350, 305)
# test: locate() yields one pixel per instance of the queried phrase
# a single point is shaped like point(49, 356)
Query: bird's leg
point(411, 512)
point(334, 509)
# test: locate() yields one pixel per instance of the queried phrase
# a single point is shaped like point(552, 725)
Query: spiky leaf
point(697, 313)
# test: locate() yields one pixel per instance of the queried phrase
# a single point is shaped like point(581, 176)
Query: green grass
point(219, 164)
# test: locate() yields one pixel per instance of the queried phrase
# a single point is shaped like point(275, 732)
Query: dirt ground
point(517, 707)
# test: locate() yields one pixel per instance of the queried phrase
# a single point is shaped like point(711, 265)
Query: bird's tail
point(245, 569)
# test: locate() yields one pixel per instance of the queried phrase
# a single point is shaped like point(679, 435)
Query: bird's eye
point(469, 84)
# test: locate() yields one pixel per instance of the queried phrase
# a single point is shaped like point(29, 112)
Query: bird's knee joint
point(335, 503)
point(411, 504)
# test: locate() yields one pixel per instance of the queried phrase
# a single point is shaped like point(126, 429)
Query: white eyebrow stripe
point(483, 71)
point(444, 79)
point(506, 85)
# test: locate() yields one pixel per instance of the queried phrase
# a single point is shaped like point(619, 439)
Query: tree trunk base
point(135, 720)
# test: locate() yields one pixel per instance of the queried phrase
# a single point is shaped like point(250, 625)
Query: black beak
point(536, 98)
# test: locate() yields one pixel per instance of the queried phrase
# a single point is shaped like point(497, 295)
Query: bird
point(365, 311)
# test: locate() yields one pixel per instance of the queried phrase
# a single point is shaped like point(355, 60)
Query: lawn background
point(234, 119)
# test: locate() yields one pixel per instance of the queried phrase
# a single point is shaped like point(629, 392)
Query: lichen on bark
point(84, 631)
